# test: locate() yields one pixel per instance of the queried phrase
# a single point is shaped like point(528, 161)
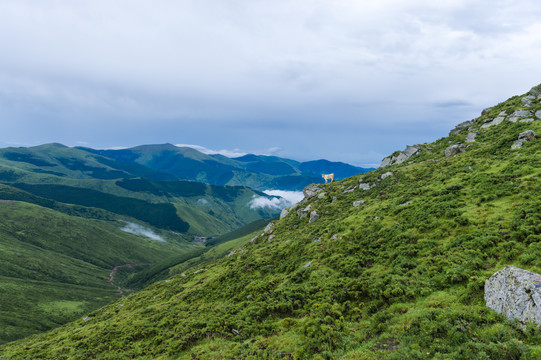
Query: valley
point(386, 264)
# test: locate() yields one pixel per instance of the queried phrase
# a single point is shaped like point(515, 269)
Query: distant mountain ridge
point(256, 171)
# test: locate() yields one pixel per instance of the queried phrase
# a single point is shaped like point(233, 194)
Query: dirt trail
point(114, 270)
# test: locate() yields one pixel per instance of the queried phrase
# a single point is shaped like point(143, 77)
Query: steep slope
point(55, 267)
point(62, 161)
point(255, 171)
point(390, 264)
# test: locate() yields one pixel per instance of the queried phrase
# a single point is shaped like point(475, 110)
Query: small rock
point(387, 174)
point(518, 114)
point(527, 120)
point(486, 111)
point(306, 265)
point(406, 203)
point(200, 270)
point(269, 228)
point(86, 318)
point(401, 157)
point(335, 237)
point(454, 149)
point(375, 218)
point(271, 237)
point(249, 296)
point(527, 100)
point(302, 213)
point(471, 137)
point(317, 239)
point(350, 189)
point(284, 213)
point(235, 331)
point(529, 135)
point(231, 253)
point(183, 275)
point(538, 114)
point(364, 186)
point(254, 239)
point(492, 122)
point(313, 216)
point(358, 202)
point(334, 198)
point(460, 126)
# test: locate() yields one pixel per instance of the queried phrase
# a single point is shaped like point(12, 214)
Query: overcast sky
point(345, 80)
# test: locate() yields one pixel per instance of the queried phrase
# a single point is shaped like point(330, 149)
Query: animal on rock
point(327, 177)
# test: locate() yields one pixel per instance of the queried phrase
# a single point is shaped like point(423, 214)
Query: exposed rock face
point(461, 126)
point(313, 216)
point(284, 213)
point(515, 293)
point(454, 149)
point(311, 190)
point(538, 114)
point(524, 137)
point(358, 202)
point(401, 157)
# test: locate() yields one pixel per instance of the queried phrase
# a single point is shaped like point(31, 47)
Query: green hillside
point(55, 268)
point(389, 264)
point(255, 171)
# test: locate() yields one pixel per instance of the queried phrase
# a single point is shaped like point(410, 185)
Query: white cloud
point(279, 199)
point(136, 229)
point(292, 197)
point(230, 153)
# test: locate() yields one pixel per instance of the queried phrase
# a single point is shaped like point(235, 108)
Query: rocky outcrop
point(311, 191)
point(527, 100)
point(303, 212)
point(284, 213)
point(454, 149)
point(269, 229)
point(313, 216)
point(400, 157)
point(358, 202)
point(492, 122)
point(524, 137)
point(519, 114)
point(515, 293)
point(461, 126)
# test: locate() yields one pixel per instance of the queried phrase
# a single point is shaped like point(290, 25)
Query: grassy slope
point(383, 280)
point(215, 249)
point(55, 267)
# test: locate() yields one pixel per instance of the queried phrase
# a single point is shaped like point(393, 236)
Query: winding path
point(114, 270)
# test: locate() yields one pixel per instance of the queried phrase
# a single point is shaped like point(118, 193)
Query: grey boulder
point(515, 293)
point(454, 149)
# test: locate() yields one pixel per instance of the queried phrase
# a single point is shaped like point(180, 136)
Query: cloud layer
point(279, 199)
point(362, 78)
point(139, 230)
